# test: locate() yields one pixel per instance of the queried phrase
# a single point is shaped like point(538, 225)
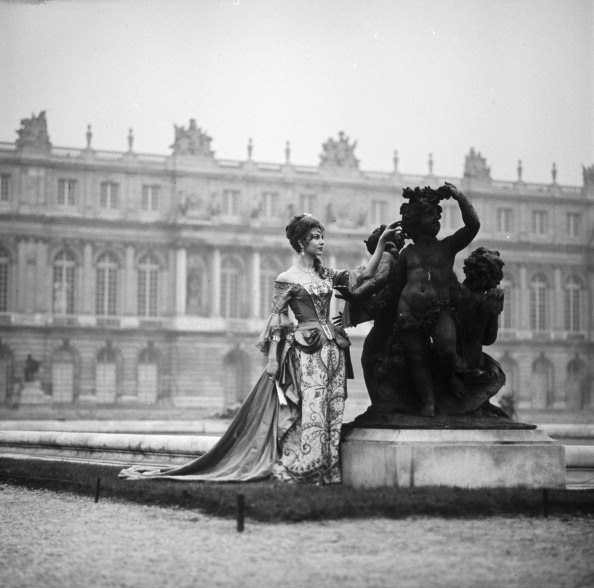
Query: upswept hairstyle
point(483, 269)
point(297, 230)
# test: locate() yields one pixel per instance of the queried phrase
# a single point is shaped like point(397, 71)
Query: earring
point(302, 250)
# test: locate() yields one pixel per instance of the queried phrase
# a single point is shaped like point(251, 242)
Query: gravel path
point(59, 539)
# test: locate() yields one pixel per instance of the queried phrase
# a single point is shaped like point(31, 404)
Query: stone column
point(558, 305)
point(215, 292)
point(524, 301)
point(44, 286)
point(180, 281)
point(131, 285)
point(255, 289)
point(21, 299)
point(88, 280)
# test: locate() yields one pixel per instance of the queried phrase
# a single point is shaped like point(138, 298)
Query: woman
point(289, 426)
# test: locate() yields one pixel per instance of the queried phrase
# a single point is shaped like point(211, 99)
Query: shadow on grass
point(268, 501)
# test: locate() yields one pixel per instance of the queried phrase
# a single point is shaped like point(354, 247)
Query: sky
point(513, 79)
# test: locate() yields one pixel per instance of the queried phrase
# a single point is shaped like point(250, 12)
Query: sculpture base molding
point(32, 393)
point(465, 458)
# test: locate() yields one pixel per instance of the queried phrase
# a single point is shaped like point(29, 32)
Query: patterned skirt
point(310, 448)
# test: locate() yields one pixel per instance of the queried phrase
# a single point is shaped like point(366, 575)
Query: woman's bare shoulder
point(285, 276)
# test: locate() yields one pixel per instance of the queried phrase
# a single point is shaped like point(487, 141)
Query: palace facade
point(140, 279)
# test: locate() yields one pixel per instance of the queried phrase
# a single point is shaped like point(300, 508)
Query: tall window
point(67, 192)
point(505, 318)
point(4, 265)
point(379, 211)
point(307, 203)
point(574, 222)
point(540, 222)
point(573, 303)
point(4, 187)
point(63, 283)
point(231, 202)
point(270, 204)
point(109, 195)
point(107, 281)
point(504, 220)
point(150, 197)
point(148, 279)
point(231, 289)
point(538, 303)
point(269, 271)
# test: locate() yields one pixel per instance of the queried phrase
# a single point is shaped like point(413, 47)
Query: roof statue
point(193, 141)
point(588, 177)
point(475, 166)
point(33, 132)
point(339, 153)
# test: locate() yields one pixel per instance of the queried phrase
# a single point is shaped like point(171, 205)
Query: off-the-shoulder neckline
point(304, 284)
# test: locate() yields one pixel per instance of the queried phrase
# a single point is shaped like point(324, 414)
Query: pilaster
point(42, 293)
point(215, 293)
point(557, 301)
point(131, 285)
point(255, 289)
point(524, 301)
point(180, 280)
point(88, 282)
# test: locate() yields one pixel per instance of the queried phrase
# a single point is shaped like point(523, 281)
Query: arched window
point(542, 383)
point(147, 384)
point(148, 286)
point(236, 370)
point(63, 370)
point(538, 303)
point(269, 270)
point(576, 384)
point(234, 298)
point(64, 283)
point(107, 283)
point(573, 303)
point(106, 374)
point(4, 267)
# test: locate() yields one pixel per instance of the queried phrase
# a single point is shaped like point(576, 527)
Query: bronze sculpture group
point(424, 354)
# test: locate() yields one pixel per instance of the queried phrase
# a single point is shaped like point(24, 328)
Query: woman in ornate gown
point(289, 426)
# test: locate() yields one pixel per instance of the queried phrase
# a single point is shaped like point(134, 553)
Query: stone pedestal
point(32, 393)
point(472, 458)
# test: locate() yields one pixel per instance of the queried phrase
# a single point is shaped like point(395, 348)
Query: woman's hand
point(389, 232)
point(271, 368)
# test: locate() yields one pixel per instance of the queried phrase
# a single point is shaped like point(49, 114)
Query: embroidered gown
point(289, 428)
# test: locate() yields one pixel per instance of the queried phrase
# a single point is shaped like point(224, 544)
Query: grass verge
point(274, 502)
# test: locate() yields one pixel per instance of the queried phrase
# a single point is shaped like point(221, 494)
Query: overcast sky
point(514, 79)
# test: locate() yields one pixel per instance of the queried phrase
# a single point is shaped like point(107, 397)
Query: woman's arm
point(272, 365)
point(371, 267)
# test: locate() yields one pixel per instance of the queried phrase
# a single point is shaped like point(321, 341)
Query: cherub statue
point(425, 277)
point(479, 304)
